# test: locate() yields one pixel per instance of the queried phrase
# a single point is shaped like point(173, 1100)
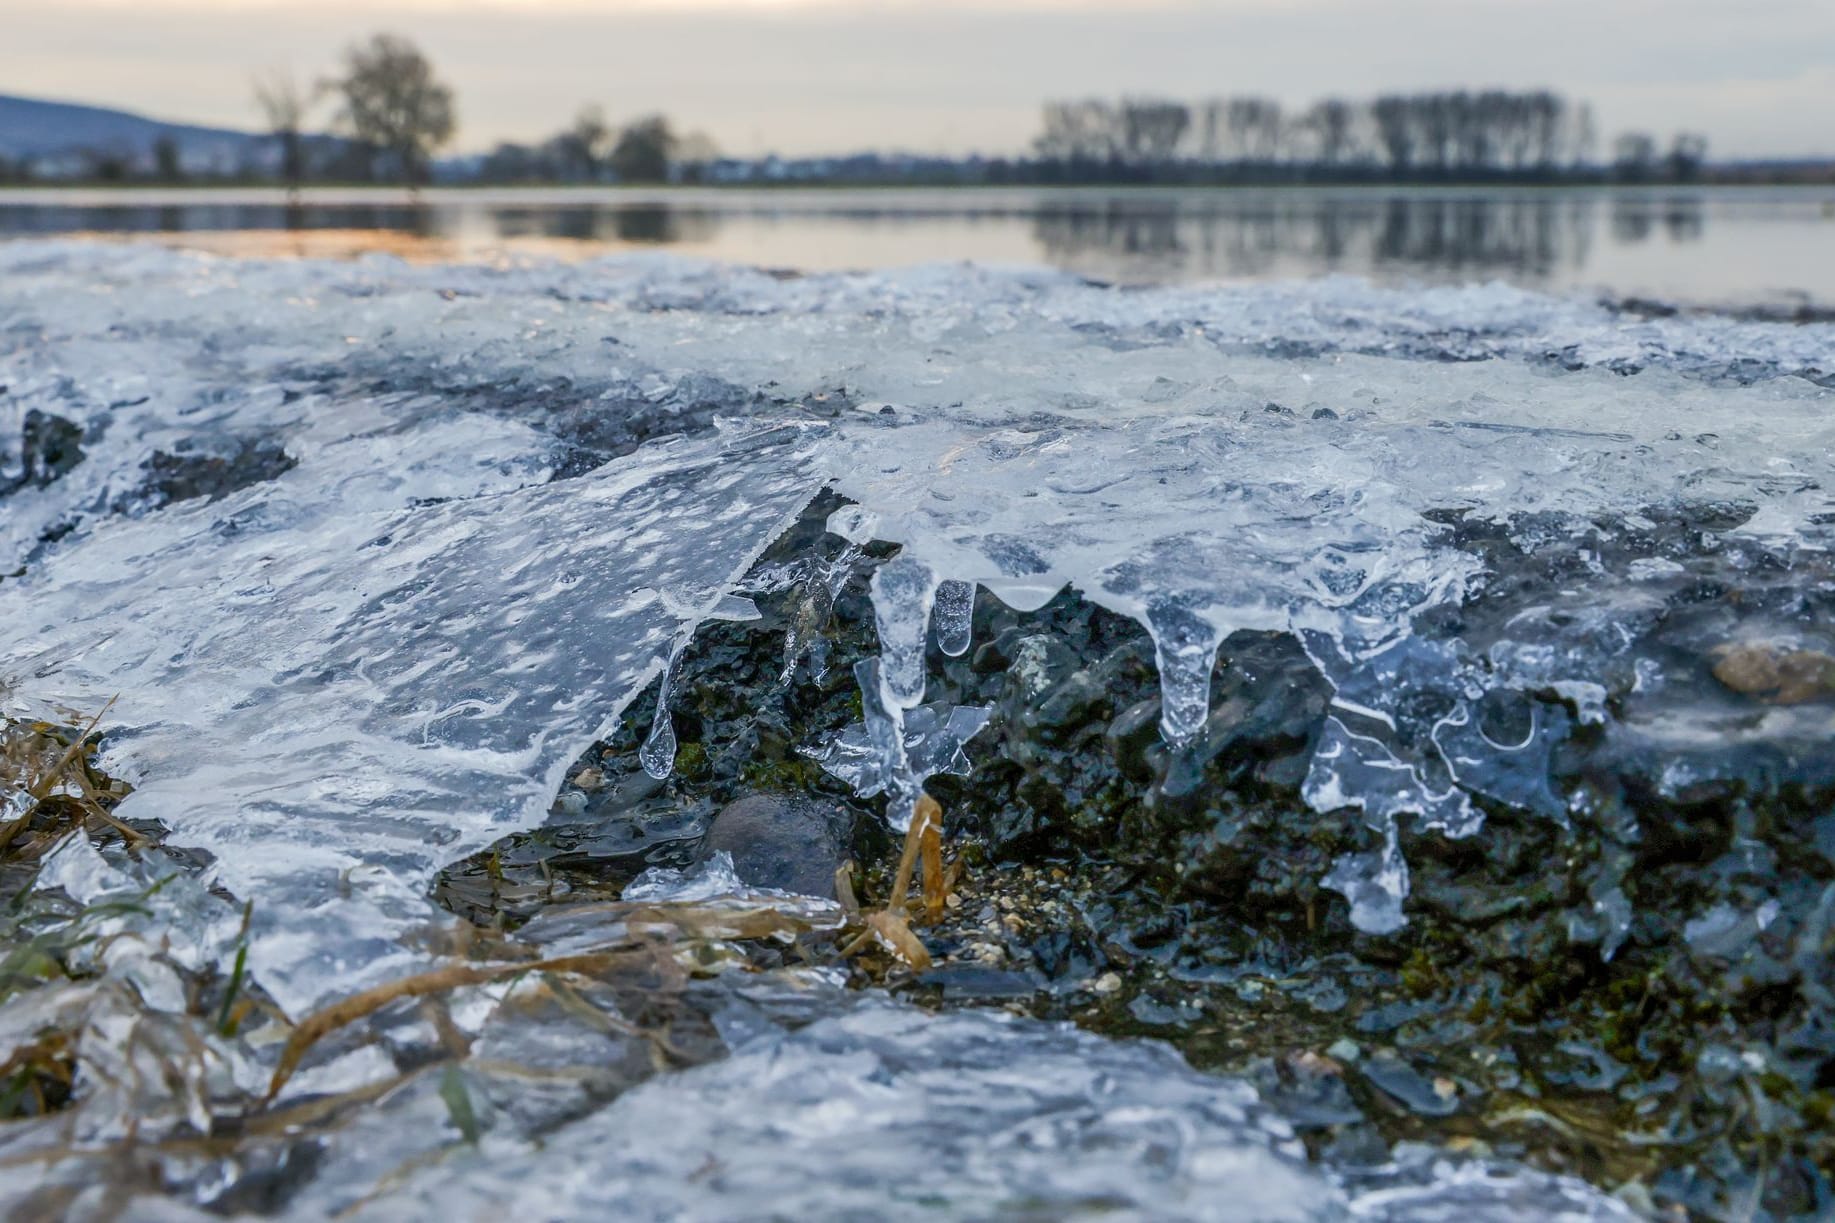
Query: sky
point(952, 76)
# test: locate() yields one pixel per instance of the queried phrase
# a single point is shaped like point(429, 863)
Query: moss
point(1420, 976)
point(691, 760)
point(789, 775)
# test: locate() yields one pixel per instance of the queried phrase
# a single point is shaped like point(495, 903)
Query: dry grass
point(50, 788)
point(890, 928)
point(650, 936)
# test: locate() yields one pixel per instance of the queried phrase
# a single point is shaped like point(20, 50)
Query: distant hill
point(35, 128)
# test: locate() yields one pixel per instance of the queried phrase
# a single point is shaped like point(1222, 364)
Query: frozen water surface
point(366, 554)
point(965, 1115)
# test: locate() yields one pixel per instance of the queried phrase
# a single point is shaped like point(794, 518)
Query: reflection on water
point(1707, 244)
point(636, 224)
point(1518, 239)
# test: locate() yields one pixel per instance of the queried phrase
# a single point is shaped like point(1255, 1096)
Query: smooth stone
point(792, 844)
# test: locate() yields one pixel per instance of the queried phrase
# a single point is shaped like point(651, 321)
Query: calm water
point(1691, 245)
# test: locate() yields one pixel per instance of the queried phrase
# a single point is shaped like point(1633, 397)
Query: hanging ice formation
point(481, 528)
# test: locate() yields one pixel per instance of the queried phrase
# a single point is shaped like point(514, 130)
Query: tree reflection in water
point(1553, 238)
point(1528, 237)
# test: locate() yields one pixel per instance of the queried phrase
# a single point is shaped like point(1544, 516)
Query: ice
point(657, 753)
point(954, 615)
point(1202, 460)
point(903, 591)
point(1374, 883)
point(714, 877)
point(338, 681)
point(448, 523)
point(1185, 650)
point(931, 739)
point(818, 581)
point(888, 1112)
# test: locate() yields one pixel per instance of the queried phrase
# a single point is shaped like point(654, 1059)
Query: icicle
point(818, 583)
point(955, 616)
point(1375, 883)
point(885, 725)
point(904, 588)
point(1185, 650)
point(657, 754)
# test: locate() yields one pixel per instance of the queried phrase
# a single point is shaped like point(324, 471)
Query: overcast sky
point(1757, 76)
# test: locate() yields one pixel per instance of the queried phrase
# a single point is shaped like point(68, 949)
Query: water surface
point(1698, 245)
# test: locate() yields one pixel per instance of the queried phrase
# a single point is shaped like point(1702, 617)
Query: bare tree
point(393, 102)
point(644, 150)
point(1585, 135)
point(1433, 135)
point(1634, 156)
point(1396, 127)
point(284, 102)
point(1086, 130)
point(1686, 155)
point(167, 163)
point(1256, 128)
point(1212, 126)
point(1151, 129)
point(1331, 121)
point(583, 146)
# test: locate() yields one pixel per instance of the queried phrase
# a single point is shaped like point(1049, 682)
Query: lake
point(1691, 245)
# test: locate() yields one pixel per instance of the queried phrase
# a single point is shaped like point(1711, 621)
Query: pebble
point(1437, 1097)
point(776, 842)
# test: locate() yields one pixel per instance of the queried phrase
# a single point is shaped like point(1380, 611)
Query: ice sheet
point(367, 553)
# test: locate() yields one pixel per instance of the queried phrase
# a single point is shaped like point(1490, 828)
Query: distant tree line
point(1446, 135)
point(386, 113)
point(394, 113)
point(590, 150)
